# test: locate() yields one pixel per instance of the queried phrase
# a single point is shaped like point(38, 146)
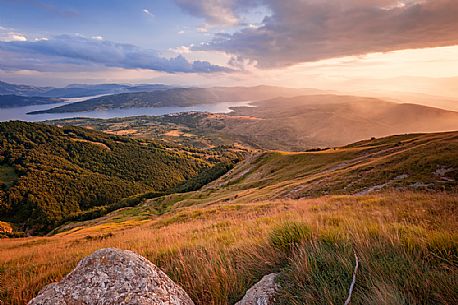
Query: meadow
point(407, 244)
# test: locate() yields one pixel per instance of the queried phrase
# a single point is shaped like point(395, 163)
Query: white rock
point(262, 293)
point(113, 276)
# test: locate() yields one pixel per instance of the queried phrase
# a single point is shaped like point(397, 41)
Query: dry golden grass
point(216, 252)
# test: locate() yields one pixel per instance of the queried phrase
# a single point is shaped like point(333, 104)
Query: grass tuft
point(289, 235)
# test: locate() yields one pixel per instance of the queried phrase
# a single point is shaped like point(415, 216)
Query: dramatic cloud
point(57, 52)
point(217, 11)
point(309, 30)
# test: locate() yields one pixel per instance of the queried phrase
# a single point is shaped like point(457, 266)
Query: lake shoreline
point(23, 113)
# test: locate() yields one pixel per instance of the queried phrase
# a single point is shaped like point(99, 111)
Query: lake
point(20, 113)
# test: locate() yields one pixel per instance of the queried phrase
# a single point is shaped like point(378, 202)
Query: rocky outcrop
point(113, 276)
point(262, 293)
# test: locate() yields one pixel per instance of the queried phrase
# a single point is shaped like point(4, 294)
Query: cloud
point(7, 35)
point(77, 52)
point(147, 12)
point(202, 28)
point(182, 49)
point(310, 30)
point(217, 11)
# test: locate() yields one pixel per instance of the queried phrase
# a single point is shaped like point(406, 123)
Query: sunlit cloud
point(8, 35)
point(202, 29)
point(310, 30)
point(328, 44)
point(214, 11)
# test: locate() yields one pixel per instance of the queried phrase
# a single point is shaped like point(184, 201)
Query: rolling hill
point(51, 174)
point(22, 90)
point(391, 203)
point(333, 120)
point(290, 124)
point(408, 163)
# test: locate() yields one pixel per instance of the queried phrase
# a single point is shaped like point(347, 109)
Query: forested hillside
point(50, 174)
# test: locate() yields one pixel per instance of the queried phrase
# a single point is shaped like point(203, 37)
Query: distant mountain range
point(182, 97)
point(7, 101)
point(23, 90)
point(76, 90)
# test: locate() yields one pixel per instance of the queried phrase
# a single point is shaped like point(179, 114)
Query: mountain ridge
point(76, 90)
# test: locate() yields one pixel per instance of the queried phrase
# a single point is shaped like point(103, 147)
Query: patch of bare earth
point(123, 132)
point(101, 145)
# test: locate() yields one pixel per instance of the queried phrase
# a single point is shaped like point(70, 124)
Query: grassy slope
point(218, 241)
point(409, 162)
point(217, 252)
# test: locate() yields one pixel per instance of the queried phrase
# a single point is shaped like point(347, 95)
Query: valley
point(295, 185)
point(290, 124)
point(393, 201)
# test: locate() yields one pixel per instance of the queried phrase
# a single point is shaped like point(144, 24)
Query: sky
point(396, 45)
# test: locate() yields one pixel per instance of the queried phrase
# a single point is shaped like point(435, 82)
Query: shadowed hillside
point(51, 174)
